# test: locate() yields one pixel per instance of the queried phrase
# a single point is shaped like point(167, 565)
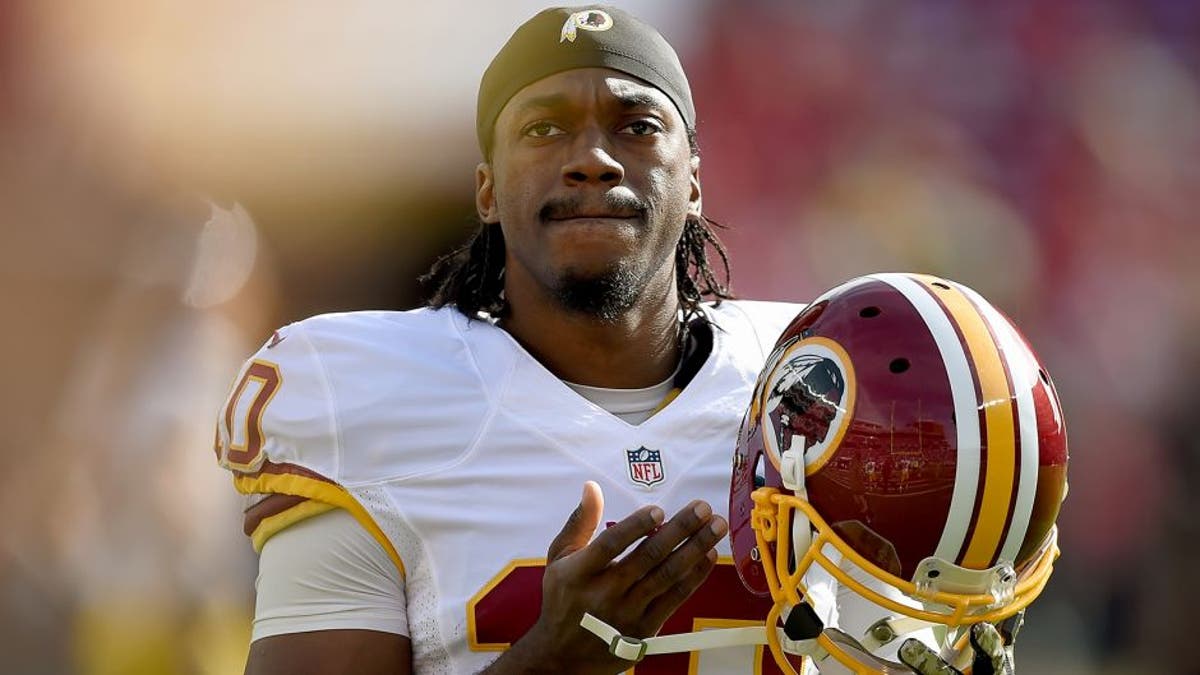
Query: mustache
point(616, 203)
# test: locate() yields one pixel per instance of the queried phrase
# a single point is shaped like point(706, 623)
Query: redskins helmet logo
point(807, 398)
point(589, 19)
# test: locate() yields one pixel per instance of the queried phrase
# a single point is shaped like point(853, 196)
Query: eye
point(542, 130)
point(642, 127)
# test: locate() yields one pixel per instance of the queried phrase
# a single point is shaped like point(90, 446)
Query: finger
point(918, 656)
point(680, 562)
point(665, 604)
point(990, 657)
point(580, 525)
point(614, 540)
point(659, 546)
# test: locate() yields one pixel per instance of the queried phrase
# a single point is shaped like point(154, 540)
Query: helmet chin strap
point(802, 634)
point(635, 649)
point(799, 635)
point(791, 470)
point(791, 466)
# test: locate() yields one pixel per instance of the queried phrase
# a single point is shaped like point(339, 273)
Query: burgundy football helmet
point(905, 441)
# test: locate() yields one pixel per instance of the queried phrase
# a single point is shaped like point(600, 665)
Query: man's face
point(591, 178)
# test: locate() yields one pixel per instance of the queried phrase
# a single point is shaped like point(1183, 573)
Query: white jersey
point(463, 456)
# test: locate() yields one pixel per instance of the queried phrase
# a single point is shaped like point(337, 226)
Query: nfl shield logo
point(645, 466)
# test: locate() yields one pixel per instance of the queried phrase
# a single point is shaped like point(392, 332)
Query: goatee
point(605, 296)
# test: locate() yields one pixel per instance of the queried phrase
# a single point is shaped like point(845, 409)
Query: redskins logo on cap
point(588, 19)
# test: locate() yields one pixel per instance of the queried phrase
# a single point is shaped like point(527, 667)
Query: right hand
point(635, 594)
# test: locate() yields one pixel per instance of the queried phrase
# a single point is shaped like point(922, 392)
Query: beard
point(604, 296)
point(610, 292)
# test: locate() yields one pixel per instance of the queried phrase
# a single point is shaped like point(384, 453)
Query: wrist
point(542, 651)
point(529, 655)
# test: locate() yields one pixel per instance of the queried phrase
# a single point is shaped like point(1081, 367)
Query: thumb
point(580, 525)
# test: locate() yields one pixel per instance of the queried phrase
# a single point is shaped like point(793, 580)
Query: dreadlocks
point(471, 277)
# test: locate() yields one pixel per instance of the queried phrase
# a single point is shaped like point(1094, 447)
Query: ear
point(694, 200)
point(485, 194)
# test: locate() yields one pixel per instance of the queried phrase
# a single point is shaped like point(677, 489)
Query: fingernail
point(718, 526)
point(657, 515)
point(702, 510)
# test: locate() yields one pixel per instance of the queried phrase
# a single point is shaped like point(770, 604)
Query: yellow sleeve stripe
point(269, 526)
point(321, 491)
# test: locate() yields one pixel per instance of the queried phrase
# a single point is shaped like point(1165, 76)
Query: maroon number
point(509, 604)
point(245, 442)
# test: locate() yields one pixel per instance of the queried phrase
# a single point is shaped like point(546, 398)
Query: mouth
point(595, 217)
point(612, 210)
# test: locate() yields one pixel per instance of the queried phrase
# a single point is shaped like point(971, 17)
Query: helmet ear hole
point(760, 472)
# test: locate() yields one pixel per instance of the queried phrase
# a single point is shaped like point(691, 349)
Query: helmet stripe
point(1023, 373)
point(967, 418)
point(997, 410)
point(978, 304)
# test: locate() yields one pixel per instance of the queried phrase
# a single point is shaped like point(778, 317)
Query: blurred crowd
point(177, 181)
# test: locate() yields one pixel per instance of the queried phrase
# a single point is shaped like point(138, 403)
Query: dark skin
point(592, 142)
point(585, 135)
point(330, 651)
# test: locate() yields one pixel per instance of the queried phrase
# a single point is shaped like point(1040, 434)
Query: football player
point(405, 471)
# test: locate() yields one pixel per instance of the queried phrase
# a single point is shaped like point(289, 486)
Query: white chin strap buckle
point(628, 648)
point(791, 465)
point(635, 649)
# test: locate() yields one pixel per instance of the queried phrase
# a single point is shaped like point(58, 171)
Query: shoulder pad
point(767, 318)
point(277, 407)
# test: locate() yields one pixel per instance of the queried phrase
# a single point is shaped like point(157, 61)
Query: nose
point(591, 162)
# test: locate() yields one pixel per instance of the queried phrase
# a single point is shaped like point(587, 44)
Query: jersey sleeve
point(327, 573)
point(278, 435)
point(279, 410)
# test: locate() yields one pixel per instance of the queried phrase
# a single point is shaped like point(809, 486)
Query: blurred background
point(177, 179)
